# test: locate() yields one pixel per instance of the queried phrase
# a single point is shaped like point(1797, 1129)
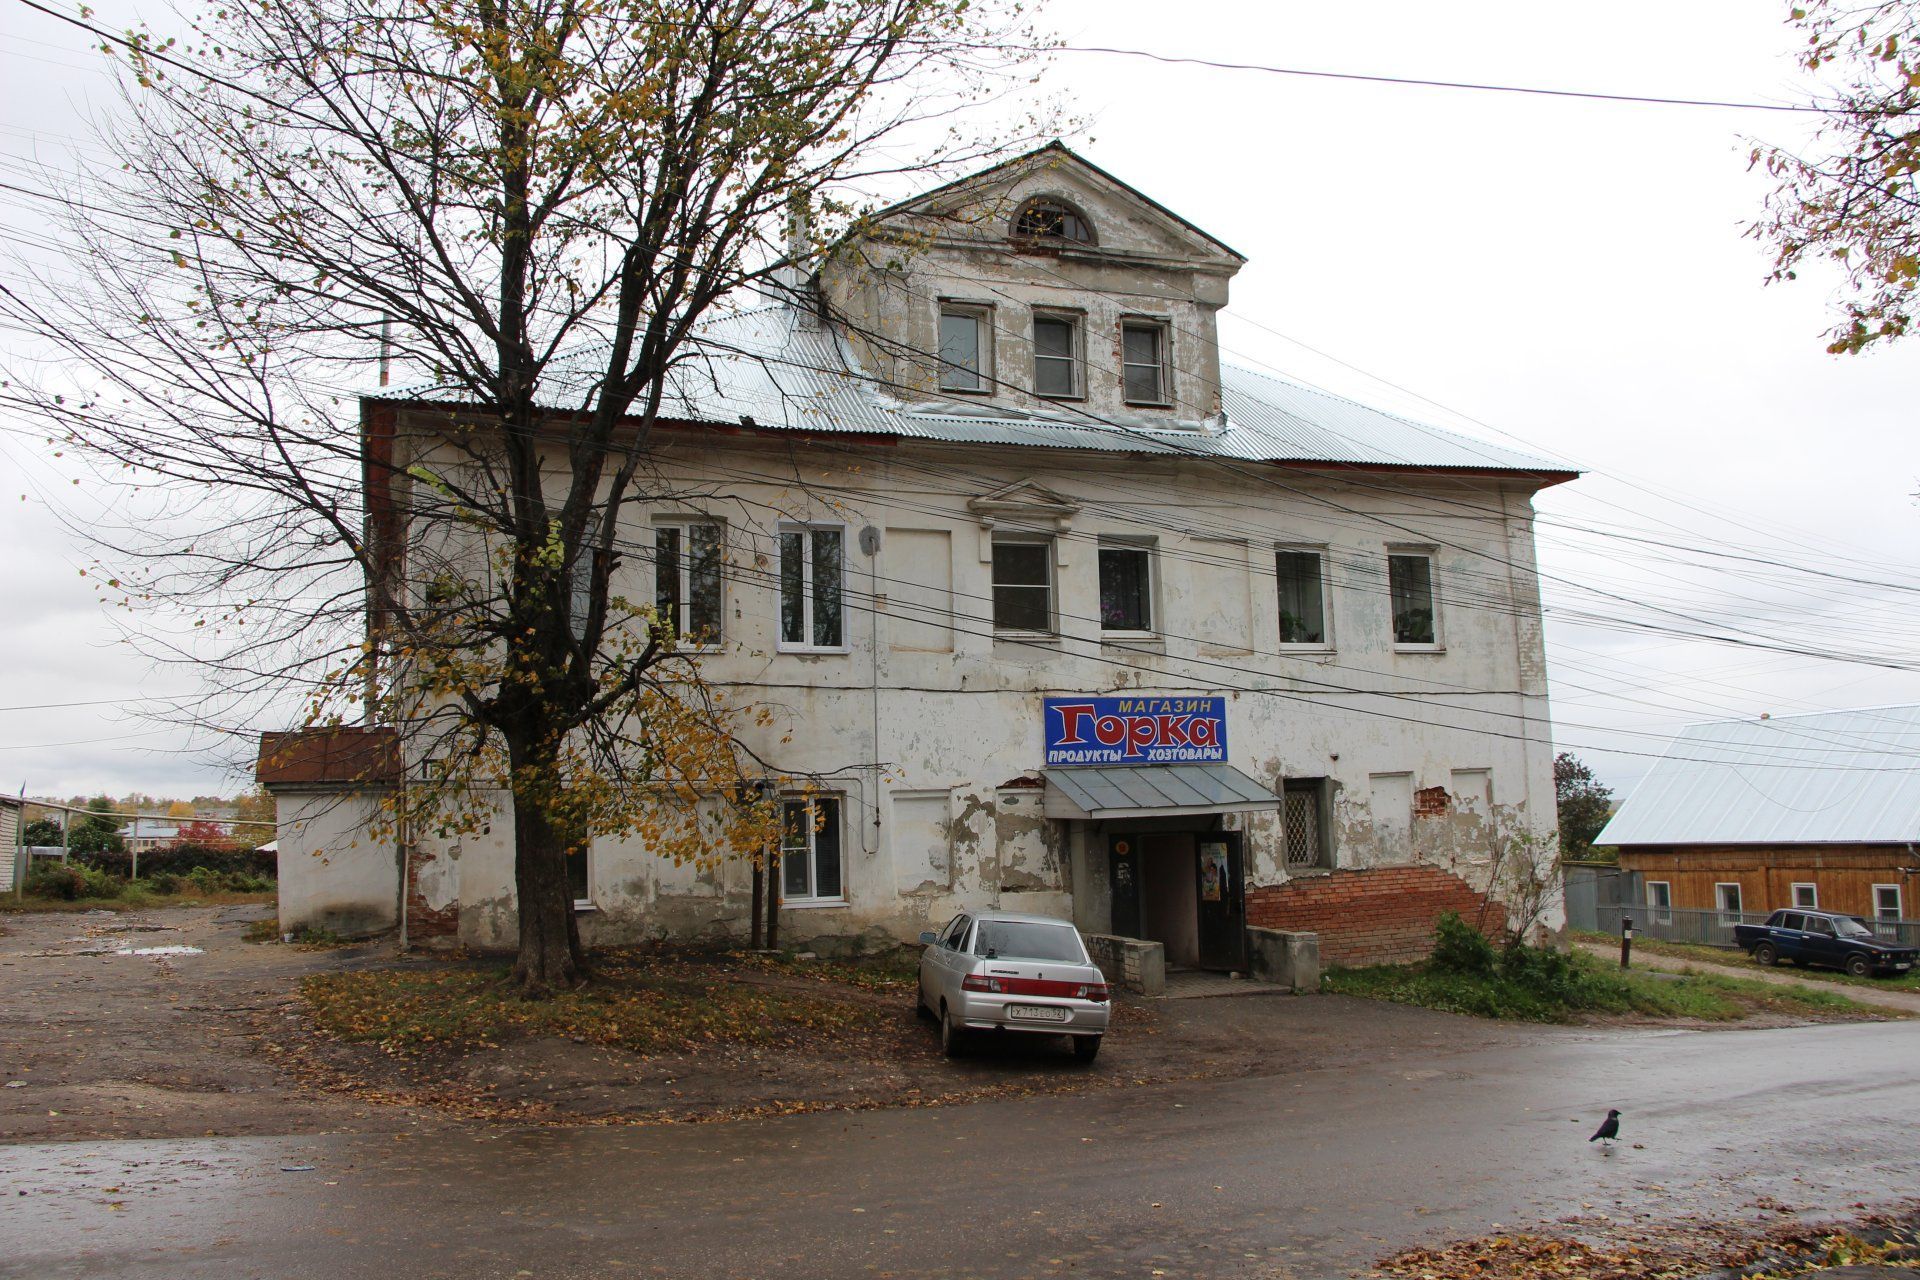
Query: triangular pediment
point(1126, 221)
point(1023, 499)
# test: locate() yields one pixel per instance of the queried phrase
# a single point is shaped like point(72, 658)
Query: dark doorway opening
point(1185, 890)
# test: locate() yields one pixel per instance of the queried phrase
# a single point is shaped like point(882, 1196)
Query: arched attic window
point(1052, 221)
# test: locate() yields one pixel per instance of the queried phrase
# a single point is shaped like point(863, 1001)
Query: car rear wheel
point(1766, 953)
point(1859, 966)
point(953, 1041)
point(1086, 1048)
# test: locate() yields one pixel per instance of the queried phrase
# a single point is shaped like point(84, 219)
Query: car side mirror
point(927, 938)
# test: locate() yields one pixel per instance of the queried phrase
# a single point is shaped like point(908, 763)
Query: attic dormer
point(1042, 286)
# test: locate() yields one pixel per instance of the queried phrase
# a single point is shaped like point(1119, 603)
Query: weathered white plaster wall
point(333, 873)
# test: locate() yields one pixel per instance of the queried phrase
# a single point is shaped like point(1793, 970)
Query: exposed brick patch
point(425, 923)
point(1431, 802)
point(1379, 915)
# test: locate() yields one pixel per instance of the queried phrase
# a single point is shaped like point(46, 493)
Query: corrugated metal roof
point(1113, 791)
point(1833, 777)
point(764, 365)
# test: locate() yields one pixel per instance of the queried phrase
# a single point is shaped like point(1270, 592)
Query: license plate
point(1903, 965)
point(1037, 1012)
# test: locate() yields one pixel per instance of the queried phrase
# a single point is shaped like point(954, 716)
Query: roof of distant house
point(762, 368)
point(1831, 777)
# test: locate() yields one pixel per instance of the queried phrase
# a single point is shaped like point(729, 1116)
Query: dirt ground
point(97, 1041)
point(100, 1041)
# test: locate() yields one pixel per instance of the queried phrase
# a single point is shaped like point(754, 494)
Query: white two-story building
point(1055, 610)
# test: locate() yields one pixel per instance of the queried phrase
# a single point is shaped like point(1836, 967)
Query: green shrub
point(164, 882)
point(1458, 947)
point(179, 859)
point(70, 881)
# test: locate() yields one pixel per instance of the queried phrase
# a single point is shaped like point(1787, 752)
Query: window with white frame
point(812, 597)
point(811, 868)
point(966, 349)
point(1056, 356)
point(1302, 588)
point(1023, 584)
point(1806, 895)
point(1144, 376)
point(686, 579)
point(1660, 901)
point(1126, 587)
point(1410, 588)
point(1726, 896)
point(1886, 902)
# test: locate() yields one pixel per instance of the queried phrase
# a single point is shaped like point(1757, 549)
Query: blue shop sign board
point(1136, 730)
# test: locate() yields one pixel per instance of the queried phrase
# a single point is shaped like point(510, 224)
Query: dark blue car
point(1824, 938)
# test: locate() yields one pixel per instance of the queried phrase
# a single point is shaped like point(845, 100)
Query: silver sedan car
point(995, 971)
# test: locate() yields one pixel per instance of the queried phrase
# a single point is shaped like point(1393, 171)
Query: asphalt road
point(1310, 1174)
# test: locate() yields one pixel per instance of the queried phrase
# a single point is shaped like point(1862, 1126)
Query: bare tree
point(534, 203)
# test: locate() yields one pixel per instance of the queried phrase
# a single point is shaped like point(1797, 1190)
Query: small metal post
point(1626, 941)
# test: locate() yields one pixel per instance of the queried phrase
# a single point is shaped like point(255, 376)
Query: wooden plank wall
point(1845, 875)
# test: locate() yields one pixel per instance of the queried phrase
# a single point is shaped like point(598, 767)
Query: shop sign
point(1135, 730)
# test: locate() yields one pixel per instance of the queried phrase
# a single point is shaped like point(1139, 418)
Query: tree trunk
point(550, 959)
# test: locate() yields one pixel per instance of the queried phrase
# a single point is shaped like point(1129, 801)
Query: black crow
point(1609, 1128)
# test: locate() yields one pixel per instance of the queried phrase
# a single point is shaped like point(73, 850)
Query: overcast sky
point(1564, 276)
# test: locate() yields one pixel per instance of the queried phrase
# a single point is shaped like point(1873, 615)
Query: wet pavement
point(1307, 1174)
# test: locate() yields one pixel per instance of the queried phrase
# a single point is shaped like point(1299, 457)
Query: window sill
point(1077, 397)
point(1148, 404)
point(1307, 648)
point(966, 391)
point(1044, 639)
point(811, 904)
point(1134, 640)
point(1419, 648)
point(817, 652)
point(583, 906)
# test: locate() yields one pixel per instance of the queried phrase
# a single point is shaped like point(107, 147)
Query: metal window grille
point(1303, 828)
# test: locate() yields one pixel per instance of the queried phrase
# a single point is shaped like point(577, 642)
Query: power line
point(1420, 82)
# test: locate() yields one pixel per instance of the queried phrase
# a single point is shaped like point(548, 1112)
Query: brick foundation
point(1380, 915)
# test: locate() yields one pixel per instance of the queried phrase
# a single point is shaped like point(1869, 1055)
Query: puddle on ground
point(160, 951)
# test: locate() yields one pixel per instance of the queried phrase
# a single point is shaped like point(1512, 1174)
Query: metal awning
point(1153, 790)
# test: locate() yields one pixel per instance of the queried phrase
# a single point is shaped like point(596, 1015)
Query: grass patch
point(647, 1004)
point(1591, 988)
point(1703, 954)
point(132, 900)
point(1530, 984)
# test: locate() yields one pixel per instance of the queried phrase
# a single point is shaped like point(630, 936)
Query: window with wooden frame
point(1807, 895)
point(1057, 356)
point(966, 348)
point(1301, 577)
point(1726, 896)
point(1886, 902)
point(1410, 593)
point(812, 588)
point(1145, 372)
point(812, 869)
point(1126, 587)
point(1660, 901)
point(1023, 584)
point(686, 579)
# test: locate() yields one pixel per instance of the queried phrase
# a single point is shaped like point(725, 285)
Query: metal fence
point(1715, 928)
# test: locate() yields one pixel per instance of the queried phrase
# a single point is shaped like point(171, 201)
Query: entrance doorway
point(1184, 890)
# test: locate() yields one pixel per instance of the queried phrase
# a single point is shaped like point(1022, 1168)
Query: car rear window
point(1793, 920)
point(1018, 940)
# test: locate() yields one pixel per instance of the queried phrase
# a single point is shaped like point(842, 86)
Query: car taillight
point(980, 982)
point(1095, 991)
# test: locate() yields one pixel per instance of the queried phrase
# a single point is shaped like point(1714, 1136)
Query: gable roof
point(766, 370)
point(1051, 150)
point(1832, 777)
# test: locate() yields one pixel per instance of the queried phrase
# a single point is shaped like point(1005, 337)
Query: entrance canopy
point(1153, 790)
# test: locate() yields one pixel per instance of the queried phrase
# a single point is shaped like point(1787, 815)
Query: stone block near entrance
point(1285, 959)
point(1132, 963)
